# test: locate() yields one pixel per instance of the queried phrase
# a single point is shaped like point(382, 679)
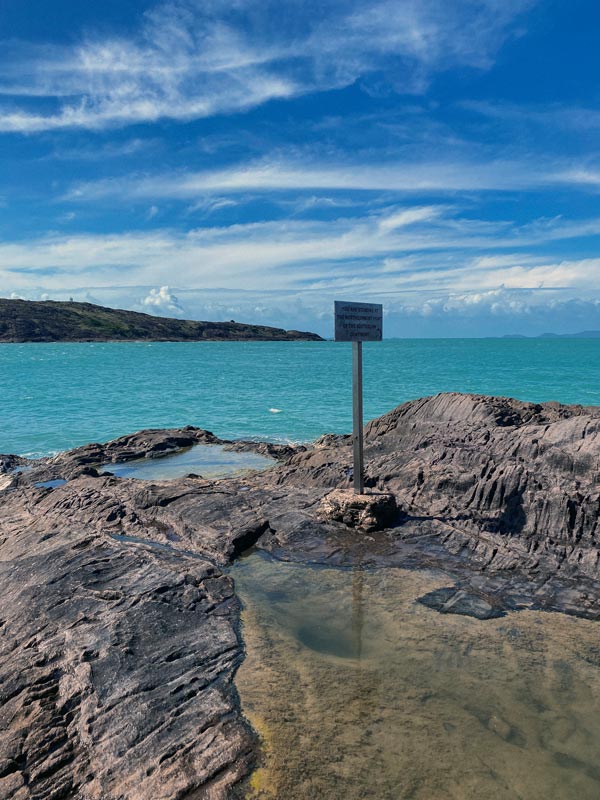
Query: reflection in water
point(329, 637)
point(357, 609)
point(360, 692)
point(50, 484)
point(207, 460)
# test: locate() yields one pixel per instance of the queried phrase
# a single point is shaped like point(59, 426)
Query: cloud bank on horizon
point(251, 160)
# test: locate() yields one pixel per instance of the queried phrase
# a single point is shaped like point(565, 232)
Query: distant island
point(54, 321)
point(580, 335)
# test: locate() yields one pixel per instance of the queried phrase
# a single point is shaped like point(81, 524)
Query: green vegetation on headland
point(52, 321)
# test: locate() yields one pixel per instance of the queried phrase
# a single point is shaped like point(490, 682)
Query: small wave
point(33, 455)
point(275, 410)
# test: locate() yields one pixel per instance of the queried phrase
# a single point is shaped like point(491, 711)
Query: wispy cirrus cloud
point(397, 249)
point(109, 150)
point(569, 117)
point(190, 60)
point(584, 176)
point(279, 175)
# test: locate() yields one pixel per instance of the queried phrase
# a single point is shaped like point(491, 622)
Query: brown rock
point(367, 512)
point(116, 666)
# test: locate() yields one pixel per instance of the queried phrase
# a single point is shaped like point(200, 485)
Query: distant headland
point(578, 335)
point(54, 321)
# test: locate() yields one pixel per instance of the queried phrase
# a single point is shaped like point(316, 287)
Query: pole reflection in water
point(358, 691)
point(357, 608)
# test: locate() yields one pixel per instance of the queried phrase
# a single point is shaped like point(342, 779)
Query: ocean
point(58, 396)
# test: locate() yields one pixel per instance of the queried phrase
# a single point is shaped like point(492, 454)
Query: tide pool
point(208, 460)
point(58, 396)
point(358, 691)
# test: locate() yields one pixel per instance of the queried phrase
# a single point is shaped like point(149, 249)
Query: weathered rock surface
point(517, 485)
point(116, 666)
point(118, 629)
point(366, 512)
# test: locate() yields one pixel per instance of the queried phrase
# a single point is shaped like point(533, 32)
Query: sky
point(256, 160)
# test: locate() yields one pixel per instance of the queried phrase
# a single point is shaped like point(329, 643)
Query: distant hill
point(51, 321)
point(580, 335)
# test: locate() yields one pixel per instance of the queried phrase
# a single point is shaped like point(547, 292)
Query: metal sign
point(358, 322)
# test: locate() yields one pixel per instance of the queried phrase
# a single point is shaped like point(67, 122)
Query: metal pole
point(357, 417)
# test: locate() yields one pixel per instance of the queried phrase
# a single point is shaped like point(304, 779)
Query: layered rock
point(116, 665)
point(119, 628)
point(516, 484)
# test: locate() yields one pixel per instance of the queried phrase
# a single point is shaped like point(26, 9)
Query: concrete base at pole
point(367, 512)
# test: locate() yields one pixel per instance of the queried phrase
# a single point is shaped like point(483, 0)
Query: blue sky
point(253, 160)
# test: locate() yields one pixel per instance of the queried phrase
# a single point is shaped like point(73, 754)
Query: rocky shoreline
point(119, 634)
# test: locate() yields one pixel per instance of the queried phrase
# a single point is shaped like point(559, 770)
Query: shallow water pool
point(207, 460)
point(358, 691)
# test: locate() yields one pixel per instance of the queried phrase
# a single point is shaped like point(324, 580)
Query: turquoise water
point(206, 460)
point(56, 396)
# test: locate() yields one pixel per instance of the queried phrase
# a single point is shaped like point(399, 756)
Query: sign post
point(358, 323)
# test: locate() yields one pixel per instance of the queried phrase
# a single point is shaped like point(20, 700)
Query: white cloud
point(400, 219)
point(300, 205)
point(576, 118)
point(162, 301)
point(101, 152)
point(280, 175)
point(585, 176)
point(438, 248)
point(191, 60)
point(283, 176)
point(502, 302)
point(432, 313)
point(210, 205)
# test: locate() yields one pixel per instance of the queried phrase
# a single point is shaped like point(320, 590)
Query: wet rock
point(453, 600)
point(158, 443)
point(151, 443)
point(10, 462)
point(279, 452)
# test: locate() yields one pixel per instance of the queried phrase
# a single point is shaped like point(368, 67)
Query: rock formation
point(119, 625)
